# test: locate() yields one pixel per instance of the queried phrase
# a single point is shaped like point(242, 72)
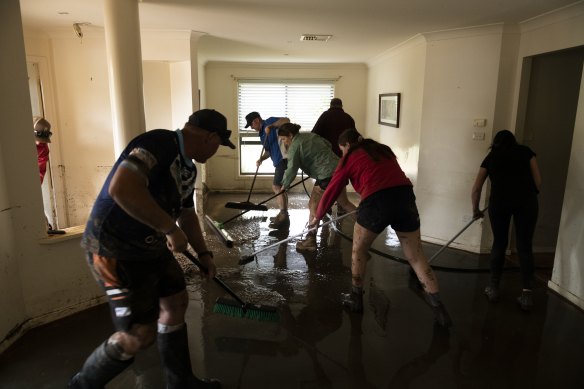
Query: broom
point(248, 205)
point(220, 225)
point(248, 258)
point(237, 308)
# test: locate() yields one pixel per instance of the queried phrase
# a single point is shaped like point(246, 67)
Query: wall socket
point(478, 135)
point(479, 122)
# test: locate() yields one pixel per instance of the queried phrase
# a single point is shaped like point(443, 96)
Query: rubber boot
point(307, 244)
point(282, 221)
point(354, 300)
point(99, 369)
point(441, 316)
point(176, 362)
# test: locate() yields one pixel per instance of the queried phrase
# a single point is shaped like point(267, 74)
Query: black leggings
point(524, 214)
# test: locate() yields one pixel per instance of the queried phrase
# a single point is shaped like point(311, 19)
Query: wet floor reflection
point(394, 344)
point(316, 343)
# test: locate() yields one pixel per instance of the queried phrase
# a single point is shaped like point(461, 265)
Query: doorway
point(549, 96)
point(38, 110)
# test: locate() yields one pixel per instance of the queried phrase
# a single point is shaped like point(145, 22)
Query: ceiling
point(269, 30)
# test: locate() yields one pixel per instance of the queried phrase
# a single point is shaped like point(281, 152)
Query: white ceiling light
point(315, 37)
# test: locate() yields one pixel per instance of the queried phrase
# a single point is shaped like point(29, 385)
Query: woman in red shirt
point(387, 199)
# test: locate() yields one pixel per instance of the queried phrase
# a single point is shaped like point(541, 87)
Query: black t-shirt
point(509, 170)
point(110, 231)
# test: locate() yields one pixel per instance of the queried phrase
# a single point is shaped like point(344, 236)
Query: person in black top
point(515, 182)
point(332, 122)
point(144, 213)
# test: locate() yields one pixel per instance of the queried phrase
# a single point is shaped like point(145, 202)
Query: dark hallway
point(316, 343)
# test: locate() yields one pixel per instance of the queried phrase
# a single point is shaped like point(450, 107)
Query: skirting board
point(34, 322)
point(577, 301)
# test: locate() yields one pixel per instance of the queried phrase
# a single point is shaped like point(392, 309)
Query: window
point(301, 101)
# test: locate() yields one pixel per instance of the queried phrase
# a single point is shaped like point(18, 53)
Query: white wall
point(400, 70)
point(221, 94)
point(157, 94)
point(84, 117)
point(462, 73)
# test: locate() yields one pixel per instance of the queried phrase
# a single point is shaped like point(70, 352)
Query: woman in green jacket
point(313, 154)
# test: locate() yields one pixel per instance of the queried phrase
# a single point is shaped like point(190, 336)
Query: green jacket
point(311, 153)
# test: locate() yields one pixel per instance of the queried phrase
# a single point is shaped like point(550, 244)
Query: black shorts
point(279, 173)
point(133, 288)
point(395, 207)
point(323, 183)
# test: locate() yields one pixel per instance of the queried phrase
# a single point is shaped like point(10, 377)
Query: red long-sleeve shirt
point(366, 175)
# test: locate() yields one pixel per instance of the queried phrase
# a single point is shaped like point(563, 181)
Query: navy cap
point(250, 117)
point(212, 121)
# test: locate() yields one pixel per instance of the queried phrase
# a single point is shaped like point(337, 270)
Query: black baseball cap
point(212, 121)
point(250, 117)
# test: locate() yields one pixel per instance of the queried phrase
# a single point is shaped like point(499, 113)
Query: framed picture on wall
point(389, 109)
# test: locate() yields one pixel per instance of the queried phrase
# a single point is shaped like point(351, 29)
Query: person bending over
point(144, 213)
point(268, 131)
point(311, 153)
point(387, 199)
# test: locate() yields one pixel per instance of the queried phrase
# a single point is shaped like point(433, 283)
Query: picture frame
point(389, 105)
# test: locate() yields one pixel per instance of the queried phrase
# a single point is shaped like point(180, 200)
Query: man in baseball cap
point(213, 121)
point(250, 117)
point(143, 214)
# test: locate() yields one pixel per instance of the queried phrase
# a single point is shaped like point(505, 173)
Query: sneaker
point(281, 221)
point(492, 293)
point(525, 300)
point(308, 244)
point(353, 301)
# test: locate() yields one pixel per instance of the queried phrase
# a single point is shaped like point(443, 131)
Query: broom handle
point(263, 202)
point(302, 233)
point(257, 170)
point(204, 269)
point(455, 236)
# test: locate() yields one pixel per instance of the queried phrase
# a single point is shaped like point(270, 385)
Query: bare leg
point(282, 199)
point(362, 241)
point(411, 244)
point(315, 197)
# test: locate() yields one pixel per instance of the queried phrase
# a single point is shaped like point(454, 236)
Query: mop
point(237, 308)
point(223, 235)
point(248, 258)
point(248, 205)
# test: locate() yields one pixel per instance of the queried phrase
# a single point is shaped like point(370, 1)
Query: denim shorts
point(279, 173)
point(133, 288)
point(395, 207)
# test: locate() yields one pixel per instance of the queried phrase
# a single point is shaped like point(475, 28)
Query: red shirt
point(366, 175)
point(43, 157)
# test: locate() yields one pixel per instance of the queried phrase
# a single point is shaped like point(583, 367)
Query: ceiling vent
point(315, 37)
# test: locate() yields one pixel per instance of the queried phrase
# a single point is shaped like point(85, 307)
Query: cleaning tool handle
point(456, 236)
point(257, 169)
point(263, 202)
point(204, 269)
point(302, 233)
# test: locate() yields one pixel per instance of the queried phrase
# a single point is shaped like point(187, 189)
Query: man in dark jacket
point(332, 122)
